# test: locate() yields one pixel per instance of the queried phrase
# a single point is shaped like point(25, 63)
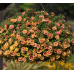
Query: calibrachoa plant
point(36, 36)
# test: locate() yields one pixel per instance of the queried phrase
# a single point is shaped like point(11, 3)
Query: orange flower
point(41, 16)
point(45, 13)
point(6, 45)
point(50, 47)
point(0, 52)
point(34, 28)
point(60, 20)
point(17, 35)
point(73, 41)
point(23, 13)
point(28, 18)
point(19, 18)
point(54, 28)
point(52, 58)
point(24, 59)
point(42, 44)
point(12, 35)
point(35, 45)
point(34, 50)
point(49, 21)
point(28, 32)
point(39, 55)
point(32, 43)
point(24, 49)
point(38, 22)
point(55, 50)
point(16, 43)
point(52, 13)
point(11, 26)
point(15, 60)
point(60, 31)
point(18, 24)
point(55, 43)
point(39, 51)
point(6, 26)
point(31, 58)
point(68, 51)
point(45, 32)
point(68, 45)
point(25, 19)
point(65, 46)
point(10, 40)
point(20, 59)
point(28, 23)
point(1, 41)
point(44, 20)
point(59, 51)
point(36, 13)
point(17, 54)
point(28, 40)
point(7, 52)
point(57, 32)
point(13, 20)
point(24, 31)
point(73, 34)
point(39, 62)
point(23, 42)
point(42, 58)
point(21, 38)
point(16, 50)
point(34, 24)
point(50, 44)
point(58, 24)
point(47, 18)
point(41, 40)
point(32, 17)
point(28, 9)
point(1, 31)
point(45, 53)
point(32, 31)
point(28, 52)
point(33, 35)
point(64, 53)
point(57, 56)
point(57, 37)
point(34, 54)
point(50, 36)
point(49, 53)
point(13, 54)
point(64, 42)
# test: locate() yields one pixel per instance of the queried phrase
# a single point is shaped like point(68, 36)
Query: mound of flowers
point(36, 36)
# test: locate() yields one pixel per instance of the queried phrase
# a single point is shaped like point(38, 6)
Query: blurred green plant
point(11, 65)
point(25, 6)
point(10, 11)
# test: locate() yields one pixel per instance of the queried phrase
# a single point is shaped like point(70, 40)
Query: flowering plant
point(36, 36)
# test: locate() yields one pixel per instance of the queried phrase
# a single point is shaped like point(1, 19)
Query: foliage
point(10, 11)
point(36, 36)
point(66, 9)
point(58, 66)
point(13, 65)
point(25, 6)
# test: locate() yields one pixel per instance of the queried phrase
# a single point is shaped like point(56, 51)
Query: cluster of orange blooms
point(36, 36)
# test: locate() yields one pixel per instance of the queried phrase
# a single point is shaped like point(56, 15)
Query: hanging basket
point(36, 36)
